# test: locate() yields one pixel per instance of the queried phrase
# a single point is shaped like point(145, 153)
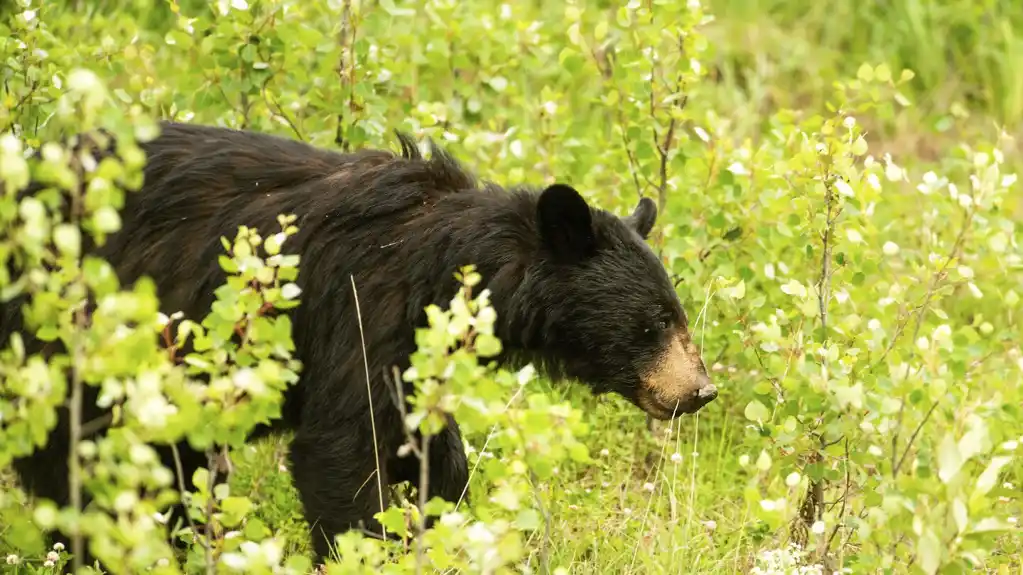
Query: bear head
point(612, 318)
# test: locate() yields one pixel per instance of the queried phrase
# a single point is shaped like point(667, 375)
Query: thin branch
point(606, 69)
point(545, 545)
point(211, 482)
point(912, 438)
point(278, 109)
point(813, 505)
point(74, 464)
point(845, 498)
point(424, 480)
point(346, 52)
point(76, 399)
point(935, 279)
point(921, 311)
point(369, 393)
point(180, 473)
point(824, 285)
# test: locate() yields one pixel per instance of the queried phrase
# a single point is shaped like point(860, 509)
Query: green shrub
point(858, 307)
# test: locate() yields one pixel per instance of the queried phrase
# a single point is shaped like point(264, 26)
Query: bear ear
point(643, 217)
point(565, 222)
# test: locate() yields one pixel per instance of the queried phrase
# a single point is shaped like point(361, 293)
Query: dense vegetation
point(839, 207)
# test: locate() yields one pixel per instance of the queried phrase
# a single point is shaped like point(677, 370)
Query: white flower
point(452, 519)
point(873, 180)
point(478, 533)
point(235, 561)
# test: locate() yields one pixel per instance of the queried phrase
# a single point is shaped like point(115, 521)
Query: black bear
point(577, 291)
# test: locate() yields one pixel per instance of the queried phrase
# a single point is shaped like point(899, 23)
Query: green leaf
point(738, 290)
point(255, 529)
point(859, 146)
point(487, 345)
point(865, 72)
point(68, 239)
point(437, 506)
point(393, 519)
point(757, 411)
point(200, 479)
point(949, 460)
point(989, 477)
point(23, 535)
point(527, 520)
point(929, 552)
point(960, 514)
point(235, 509)
point(883, 73)
point(107, 220)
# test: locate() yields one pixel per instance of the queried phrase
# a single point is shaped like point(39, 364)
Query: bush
point(858, 308)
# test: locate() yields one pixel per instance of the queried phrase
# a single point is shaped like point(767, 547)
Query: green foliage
point(966, 54)
point(858, 306)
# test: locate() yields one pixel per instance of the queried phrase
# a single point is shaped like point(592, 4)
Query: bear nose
point(706, 390)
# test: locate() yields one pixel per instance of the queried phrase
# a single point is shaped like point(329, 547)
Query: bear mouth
point(664, 410)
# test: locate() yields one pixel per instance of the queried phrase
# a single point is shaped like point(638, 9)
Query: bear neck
point(496, 230)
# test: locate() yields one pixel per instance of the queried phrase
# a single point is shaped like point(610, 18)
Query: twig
point(369, 393)
point(845, 498)
point(935, 278)
point(544, 558)
point(181, 487)
point(824, 285)
point(75, 407)
point(912, 438)
point(346, 60)
point(424, 480)
point(277, 109)
point(921, 311)
point(812, 507)
point(74, 465)
point(607, 72)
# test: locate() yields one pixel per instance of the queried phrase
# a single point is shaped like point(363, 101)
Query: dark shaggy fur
point(576, 289)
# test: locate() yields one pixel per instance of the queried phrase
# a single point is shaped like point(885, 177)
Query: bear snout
point(688, 398)
point(706, 391)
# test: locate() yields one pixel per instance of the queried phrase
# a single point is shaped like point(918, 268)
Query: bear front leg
point(334, 472)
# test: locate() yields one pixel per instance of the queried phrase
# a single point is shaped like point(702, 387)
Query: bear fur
point(577, 291)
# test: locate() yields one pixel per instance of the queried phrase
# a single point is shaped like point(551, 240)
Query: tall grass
point(966, 51)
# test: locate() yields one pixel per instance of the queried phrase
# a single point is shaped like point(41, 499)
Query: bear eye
point(662, 325)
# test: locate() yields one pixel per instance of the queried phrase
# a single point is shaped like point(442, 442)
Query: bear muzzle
point(700, 394)
point(677, 383)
